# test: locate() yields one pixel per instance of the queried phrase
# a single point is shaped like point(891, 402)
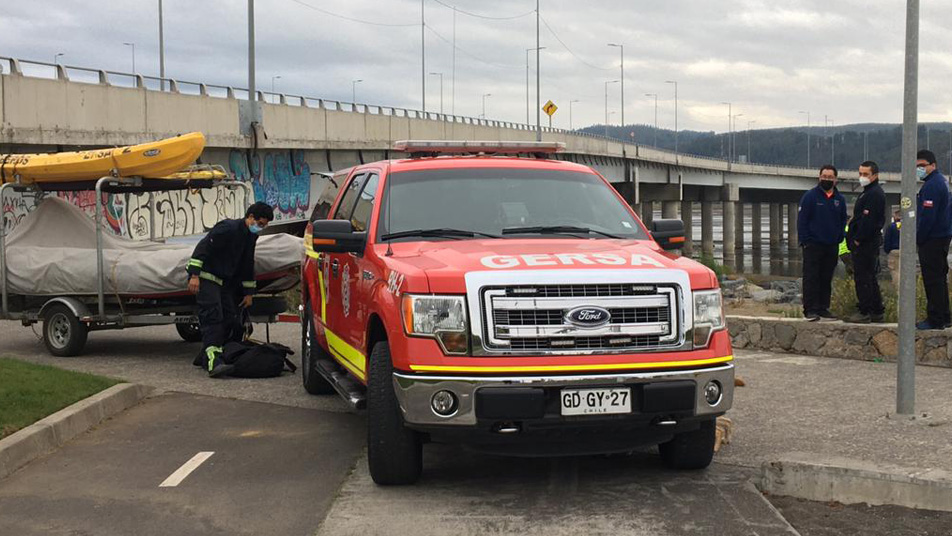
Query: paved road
point(274, 470)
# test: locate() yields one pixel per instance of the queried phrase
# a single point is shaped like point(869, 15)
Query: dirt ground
point(752, 308)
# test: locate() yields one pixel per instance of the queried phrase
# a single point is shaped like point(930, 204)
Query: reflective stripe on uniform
point(196, 263)
point(248, 284)
point(213, 352)
point(211, 277)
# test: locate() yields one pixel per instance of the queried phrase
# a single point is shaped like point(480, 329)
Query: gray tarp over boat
point(52, 251)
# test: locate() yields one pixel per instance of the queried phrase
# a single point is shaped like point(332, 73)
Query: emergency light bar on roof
point(473, 147)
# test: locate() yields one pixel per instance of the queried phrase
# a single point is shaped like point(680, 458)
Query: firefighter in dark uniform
point(821, 221)
point(933, 233)
point(865, 236)
point(221, 273)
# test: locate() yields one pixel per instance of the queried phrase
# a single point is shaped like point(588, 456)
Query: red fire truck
point(489, 295)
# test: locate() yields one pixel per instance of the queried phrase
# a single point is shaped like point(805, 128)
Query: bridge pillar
point(776, 226)
point(756, 224)
point(739, 226)
point(687, 216)
point(707, 228)
point(647, 212)
point(793, 238)
point(729, 241)
point(669, 210)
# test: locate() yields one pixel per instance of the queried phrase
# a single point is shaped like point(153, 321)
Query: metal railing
point(40, 69)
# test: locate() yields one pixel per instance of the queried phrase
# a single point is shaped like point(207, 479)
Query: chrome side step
point(351, 391)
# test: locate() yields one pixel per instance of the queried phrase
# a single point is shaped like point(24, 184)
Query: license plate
point(596, 401)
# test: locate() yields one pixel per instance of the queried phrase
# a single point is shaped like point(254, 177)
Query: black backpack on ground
point(253, 360)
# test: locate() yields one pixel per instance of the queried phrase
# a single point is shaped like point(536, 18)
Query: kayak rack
point(108, 185)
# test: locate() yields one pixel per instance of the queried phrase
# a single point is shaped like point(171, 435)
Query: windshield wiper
point(555, 229)
point(442, 233)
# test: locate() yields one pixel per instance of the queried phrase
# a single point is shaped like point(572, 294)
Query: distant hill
point(788, 146)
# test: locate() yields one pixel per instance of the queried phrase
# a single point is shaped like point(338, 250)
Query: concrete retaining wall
point(867, 342)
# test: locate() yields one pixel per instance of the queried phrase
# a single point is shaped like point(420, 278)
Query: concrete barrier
point(866, 342)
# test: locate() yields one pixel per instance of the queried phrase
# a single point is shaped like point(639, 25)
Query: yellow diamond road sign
point(550, 108)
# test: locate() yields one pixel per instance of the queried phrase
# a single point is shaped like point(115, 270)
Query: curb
point(50, 433)
point(828, 478)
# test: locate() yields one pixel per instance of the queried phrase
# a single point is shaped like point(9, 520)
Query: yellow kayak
point(156, 159)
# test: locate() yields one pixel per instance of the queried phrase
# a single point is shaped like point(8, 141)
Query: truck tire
point(189, 332)
point(63, 334)
point(311, 352)
point(690, 450)
point(394, 452)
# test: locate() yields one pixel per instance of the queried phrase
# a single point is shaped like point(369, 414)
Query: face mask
point(826, 185)
point(255, 228)
point(921, 173)
point(864, 181)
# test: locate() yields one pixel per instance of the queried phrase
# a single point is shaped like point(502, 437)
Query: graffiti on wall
point(182, 213)
point(15, 208)
point(280, 178)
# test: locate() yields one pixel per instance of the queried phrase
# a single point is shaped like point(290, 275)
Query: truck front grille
point(534, 318)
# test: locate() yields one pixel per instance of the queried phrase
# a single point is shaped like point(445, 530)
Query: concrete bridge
point(47, 108)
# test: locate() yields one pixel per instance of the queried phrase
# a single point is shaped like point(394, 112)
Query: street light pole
point(484, 103)
point(808, 137)
point(273, 78)
point(655, 95)
point(251, 51)
point(749, 159)
point(733, 137)
point(57, 57)
point(353, 90)
point(675, 112)
point(133, 45)
point(730, 147)
point(538, 79)
point(453, 93)
point(161, 49)
point(606, 104)
point(441, 90)
point(570, 113)
point(423, 51)
point(528, 50)
point(621, 47)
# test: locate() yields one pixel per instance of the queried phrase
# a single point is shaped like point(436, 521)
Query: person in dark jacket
point(933, 234)
point(865, 236)
point(222, 269)
point(891, 246)
point(821, 221)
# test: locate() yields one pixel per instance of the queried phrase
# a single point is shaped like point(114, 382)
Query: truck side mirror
point(337, 236)
point(669, 234)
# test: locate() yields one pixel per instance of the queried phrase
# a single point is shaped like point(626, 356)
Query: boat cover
point(52, 252)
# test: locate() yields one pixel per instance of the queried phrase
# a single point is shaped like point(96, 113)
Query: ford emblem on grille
point(588, 317)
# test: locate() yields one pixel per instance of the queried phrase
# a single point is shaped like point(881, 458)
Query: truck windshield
point(504, 201)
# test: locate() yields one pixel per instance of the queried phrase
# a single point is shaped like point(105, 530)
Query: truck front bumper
point(535, 398)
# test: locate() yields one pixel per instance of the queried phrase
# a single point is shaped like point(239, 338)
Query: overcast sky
point(771, 59)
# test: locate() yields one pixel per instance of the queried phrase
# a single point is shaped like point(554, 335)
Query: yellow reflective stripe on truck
point(575, 368)
point(346, 354)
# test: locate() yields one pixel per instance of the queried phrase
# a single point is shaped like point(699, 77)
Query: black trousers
point(218, 315)
point(865, 270)
point(819, 262)
point(934, 263)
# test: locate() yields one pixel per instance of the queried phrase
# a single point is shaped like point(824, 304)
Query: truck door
point(339, 275)
point(363, 273)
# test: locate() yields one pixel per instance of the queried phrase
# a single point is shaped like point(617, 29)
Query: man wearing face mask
point(933, 233)
point(821, 221)
point(864, 237)
point(222, 269)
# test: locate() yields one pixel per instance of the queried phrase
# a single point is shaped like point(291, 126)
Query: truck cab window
point(365, 204)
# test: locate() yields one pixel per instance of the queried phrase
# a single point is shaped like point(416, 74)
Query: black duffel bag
point(254, 360)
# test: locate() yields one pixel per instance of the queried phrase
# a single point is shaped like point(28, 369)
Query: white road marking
point(186, 469)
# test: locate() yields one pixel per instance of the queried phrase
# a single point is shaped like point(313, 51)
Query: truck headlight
point(441, 317)
point(708, 316)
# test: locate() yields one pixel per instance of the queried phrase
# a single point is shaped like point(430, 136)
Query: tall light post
point(133, 45)
point(57, 57)
point(606, 104)
point(730, 137)
point(675, 112)
point(808, 136)
point(484, 103)
point(353, 90)
point(161, 49)
point(528, 108)
point(570, 112)
point(273, 78)
point(827, 122)
point(655, 95)
point(251, 51)
point(538, 78)
point(749, 159)
point(441, 90)
point(622, 78)
point(733, 137)
point(423, 51)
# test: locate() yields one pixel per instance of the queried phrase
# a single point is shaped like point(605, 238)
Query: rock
point(786, 335)
point(754, 333)
point(887, 343)
point(735, 326)
point(935, 356)
point(809, 342)
point(857, 336)
point(740, 341)
point(785, 287)
point(766, 296)
point(732, 285)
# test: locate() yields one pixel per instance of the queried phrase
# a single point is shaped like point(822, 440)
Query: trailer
point(68, 319)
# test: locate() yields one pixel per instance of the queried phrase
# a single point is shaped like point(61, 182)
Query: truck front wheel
point(394, 452)
point(690, 450)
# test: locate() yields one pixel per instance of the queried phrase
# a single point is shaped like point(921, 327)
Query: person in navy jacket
point(821, 221)
point(933, 234)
